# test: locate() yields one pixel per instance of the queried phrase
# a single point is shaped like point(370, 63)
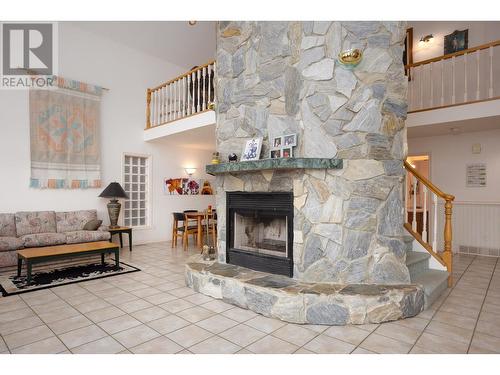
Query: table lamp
point(114, 191)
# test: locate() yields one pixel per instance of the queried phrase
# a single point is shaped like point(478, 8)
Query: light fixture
point(190, 171)
point(427, 38)
point(192, 23)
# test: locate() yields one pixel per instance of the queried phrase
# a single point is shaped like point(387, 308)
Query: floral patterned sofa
point(45, 228)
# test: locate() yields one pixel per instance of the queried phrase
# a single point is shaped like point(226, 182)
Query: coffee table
point(35, 255)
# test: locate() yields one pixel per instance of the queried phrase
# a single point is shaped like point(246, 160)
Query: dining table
point(198, 216)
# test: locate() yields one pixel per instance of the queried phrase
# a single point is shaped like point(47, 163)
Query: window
point(136, 184)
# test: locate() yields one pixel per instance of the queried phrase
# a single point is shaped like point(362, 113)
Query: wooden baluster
point(158, 122)
point(154, 109)
point(209, 100)
point(148, 108)
point(465, 78)
point(434, 234)
point(453, 80)
point(447, 254)
point(169, 103)
point(414, 222)
point(183, 95)
point(198, 80)
point(421, 81)
point(179, 97)
point(195, 90)
point(188, 95)
point(424, 230)
point(442, 82)
point(490, 91)
point(204, 74)
point(432, 87)
point(407, 174)
point(477, 66)
point(176, 101)
point(410, 91)
point(162, 106)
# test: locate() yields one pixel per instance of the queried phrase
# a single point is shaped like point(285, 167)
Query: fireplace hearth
point(260, 231)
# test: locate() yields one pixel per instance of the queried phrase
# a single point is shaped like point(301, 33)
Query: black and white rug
point(48, 278)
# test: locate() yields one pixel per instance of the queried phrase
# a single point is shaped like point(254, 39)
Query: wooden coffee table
point(35, 255)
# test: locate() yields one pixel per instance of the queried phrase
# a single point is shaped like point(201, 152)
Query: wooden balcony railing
point(184, 96)
point(462, 77)
point(428, 234)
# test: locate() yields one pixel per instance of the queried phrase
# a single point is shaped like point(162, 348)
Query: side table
point(119, 231)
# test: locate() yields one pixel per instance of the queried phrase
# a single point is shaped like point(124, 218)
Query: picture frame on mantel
point(252, 149)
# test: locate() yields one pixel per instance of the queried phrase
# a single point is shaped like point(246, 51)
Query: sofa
point(45, 228)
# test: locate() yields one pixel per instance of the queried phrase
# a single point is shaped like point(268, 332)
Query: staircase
point(434, 281)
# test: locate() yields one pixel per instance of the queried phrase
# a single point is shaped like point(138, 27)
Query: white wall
point(479, 33)
point(127, 73)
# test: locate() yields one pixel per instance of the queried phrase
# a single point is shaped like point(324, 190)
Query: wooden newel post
point(447, 255)
point(148, 109)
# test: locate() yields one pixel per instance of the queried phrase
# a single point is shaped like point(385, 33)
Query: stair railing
point(189, 94)
point(429, 238)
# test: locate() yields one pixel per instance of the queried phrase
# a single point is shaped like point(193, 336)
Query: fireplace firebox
point(260, 231)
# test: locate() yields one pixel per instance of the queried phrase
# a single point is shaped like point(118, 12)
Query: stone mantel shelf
point(266, 164)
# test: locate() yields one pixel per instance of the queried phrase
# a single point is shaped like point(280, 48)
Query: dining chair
point(211, 220)
point(181, 228)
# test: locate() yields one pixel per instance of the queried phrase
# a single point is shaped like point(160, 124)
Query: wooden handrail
point(183, 75)
point(427, 183)
point(454, 54)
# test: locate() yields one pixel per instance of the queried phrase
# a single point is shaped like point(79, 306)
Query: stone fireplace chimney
point(277, 78)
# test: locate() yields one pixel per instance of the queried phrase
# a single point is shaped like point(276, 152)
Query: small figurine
point(232, 157)
point(215, 158)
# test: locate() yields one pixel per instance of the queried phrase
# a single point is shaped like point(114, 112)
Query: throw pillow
point(92, 225)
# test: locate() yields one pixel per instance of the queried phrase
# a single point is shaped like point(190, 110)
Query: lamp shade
point(113, 190)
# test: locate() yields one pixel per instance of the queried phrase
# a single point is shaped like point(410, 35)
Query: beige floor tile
point(51, 345)
point(416, 322)
point(92, 305)
point(245, 351)
point(145, 292)
point(482, 341)
point(449, 331)
point(135, 336)
point(39, 297)
point(120, 323)
point(324, 344)
point(59, 314)
point(83, 298)
point(3, 345)
point(195, 314)
point(214, 345)
point(159, 298)
point(69, 324)
point(242, 335)
point(136, 305)
point(385, 345)
point(106, 345)
point(455, 319)
point(168, 324)
point(182, 292)
point(107, 313)
point(28, 336)
point(368, 327)
point(49, 307)
point(439, 344)
point(19, 314)
point(264, 324)
point(217, 323)
point(217, 306)
point(120, 299)
point(11, 304)
point(460, 310)
point(20, 325)
point(420, 350)
point(176, 305)
point(295, 334)
point(359, 350)
point(239, 314)
point(351, 334)
point(189, 336)
point(82, 336)
point(272, 345)
point(150, 314)
point(159, 345)
point(399, 332)
point(198, 298)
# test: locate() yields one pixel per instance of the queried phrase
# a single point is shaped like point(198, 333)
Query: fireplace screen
point(261, 234)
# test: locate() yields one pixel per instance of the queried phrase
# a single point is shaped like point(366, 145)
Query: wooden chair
point(181, 228)
point(211, 219)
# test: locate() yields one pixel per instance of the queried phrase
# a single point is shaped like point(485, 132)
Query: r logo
point(27, 46)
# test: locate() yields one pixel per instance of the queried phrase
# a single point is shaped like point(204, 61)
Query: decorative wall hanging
point(476, 175)
point(187, 186)
point(64, 136)
point(456, 41)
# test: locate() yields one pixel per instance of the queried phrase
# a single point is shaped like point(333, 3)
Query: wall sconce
point(427, 38)
point(190, 171)
point(192, 23)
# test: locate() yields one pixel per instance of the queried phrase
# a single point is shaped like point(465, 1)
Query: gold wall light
point(351, 57)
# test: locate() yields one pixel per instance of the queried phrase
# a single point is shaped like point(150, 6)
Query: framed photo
point(286, 152)
point(290, 140)
point(275, 154)
point(252, 149)
point(277, 142)
point(456, 41)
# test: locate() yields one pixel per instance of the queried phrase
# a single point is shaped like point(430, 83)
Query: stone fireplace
point(336, 254)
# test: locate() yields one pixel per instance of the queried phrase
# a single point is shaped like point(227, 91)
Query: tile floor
point(153, 312)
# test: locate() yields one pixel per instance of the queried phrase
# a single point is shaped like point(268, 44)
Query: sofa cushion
point(7, 225)
point(79, 236)
point(43, 239)
point(33, 222)
point(92, 225)
point(71, 221)
point(10, 243)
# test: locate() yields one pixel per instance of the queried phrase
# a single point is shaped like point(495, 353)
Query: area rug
point(44, 278)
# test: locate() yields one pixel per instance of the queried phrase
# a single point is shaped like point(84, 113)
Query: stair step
point(417, 262)
point(434, 283)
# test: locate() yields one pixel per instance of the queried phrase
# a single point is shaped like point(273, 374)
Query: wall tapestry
point(187, 186)
point(64, 133)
